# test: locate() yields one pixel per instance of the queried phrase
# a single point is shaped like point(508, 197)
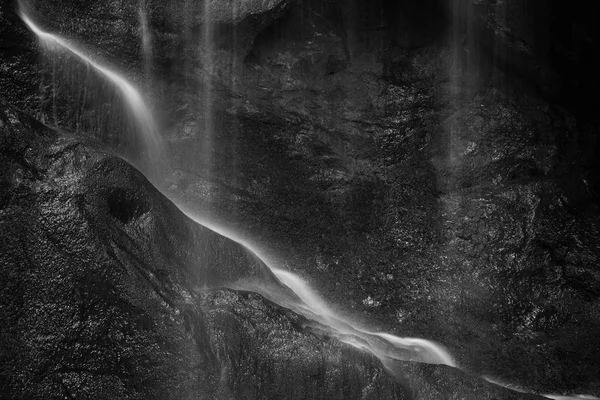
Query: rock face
point(419, 183)
point(18, 72)
point(110, 292)
point(432, 167)
point(150, 42)
point(243, 19)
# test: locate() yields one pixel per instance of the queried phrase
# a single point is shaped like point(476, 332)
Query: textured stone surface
point(425, 188)
point(108, 292)
point(435, 179)
point(234, 11)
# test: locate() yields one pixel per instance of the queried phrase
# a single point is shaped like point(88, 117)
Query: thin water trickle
point(146, 38)
point(207, 51)
point(154, 148)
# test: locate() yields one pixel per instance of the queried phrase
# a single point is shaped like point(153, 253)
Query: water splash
point(154, 147)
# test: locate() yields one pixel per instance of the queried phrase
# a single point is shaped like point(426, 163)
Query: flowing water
point(146, 38)
point(207, 51)
point(306, 302)
point(309, 304)
point(154, 148)
point(382, 345)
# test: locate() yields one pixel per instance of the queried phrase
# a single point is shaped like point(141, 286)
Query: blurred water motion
point(153, 148)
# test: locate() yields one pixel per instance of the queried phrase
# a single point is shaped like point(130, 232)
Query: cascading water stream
point(154, 148)
point(306, 302)
point(382, 345)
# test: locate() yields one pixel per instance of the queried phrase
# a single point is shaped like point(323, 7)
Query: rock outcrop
point(431, 167)
point(418, 183)
point(109, 291)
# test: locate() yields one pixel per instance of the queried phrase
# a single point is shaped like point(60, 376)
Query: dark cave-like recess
point(124, 206)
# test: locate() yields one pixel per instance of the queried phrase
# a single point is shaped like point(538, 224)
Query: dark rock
point(101, 198)
point(18, 60)
point(414, 190)
point(266, 352)
point(270, 353)
point(434, 178)
point(106, 294)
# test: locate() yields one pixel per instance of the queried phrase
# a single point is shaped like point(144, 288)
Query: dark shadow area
point(124, 206)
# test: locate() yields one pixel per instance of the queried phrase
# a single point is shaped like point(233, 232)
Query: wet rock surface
point(415, 191)
point(19, 59)
point(109, 292)
point(437, 179)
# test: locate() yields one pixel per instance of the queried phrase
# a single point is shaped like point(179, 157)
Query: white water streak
point(382, 345)
point(496, 381)
point(146, 37)
point(150, 134)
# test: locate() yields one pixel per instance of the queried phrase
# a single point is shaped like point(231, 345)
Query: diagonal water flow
point(383, 345)
point(303, 299)
point(309, 304)
point(306, 302)
point(548, 396)
point(151, 138)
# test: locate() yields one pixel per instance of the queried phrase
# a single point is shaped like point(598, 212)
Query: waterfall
point(154, 149)
point(382, 345)
point(308, 303)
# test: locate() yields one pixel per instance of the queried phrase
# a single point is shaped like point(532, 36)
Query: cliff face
point(430, 166)
point(110, 292)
